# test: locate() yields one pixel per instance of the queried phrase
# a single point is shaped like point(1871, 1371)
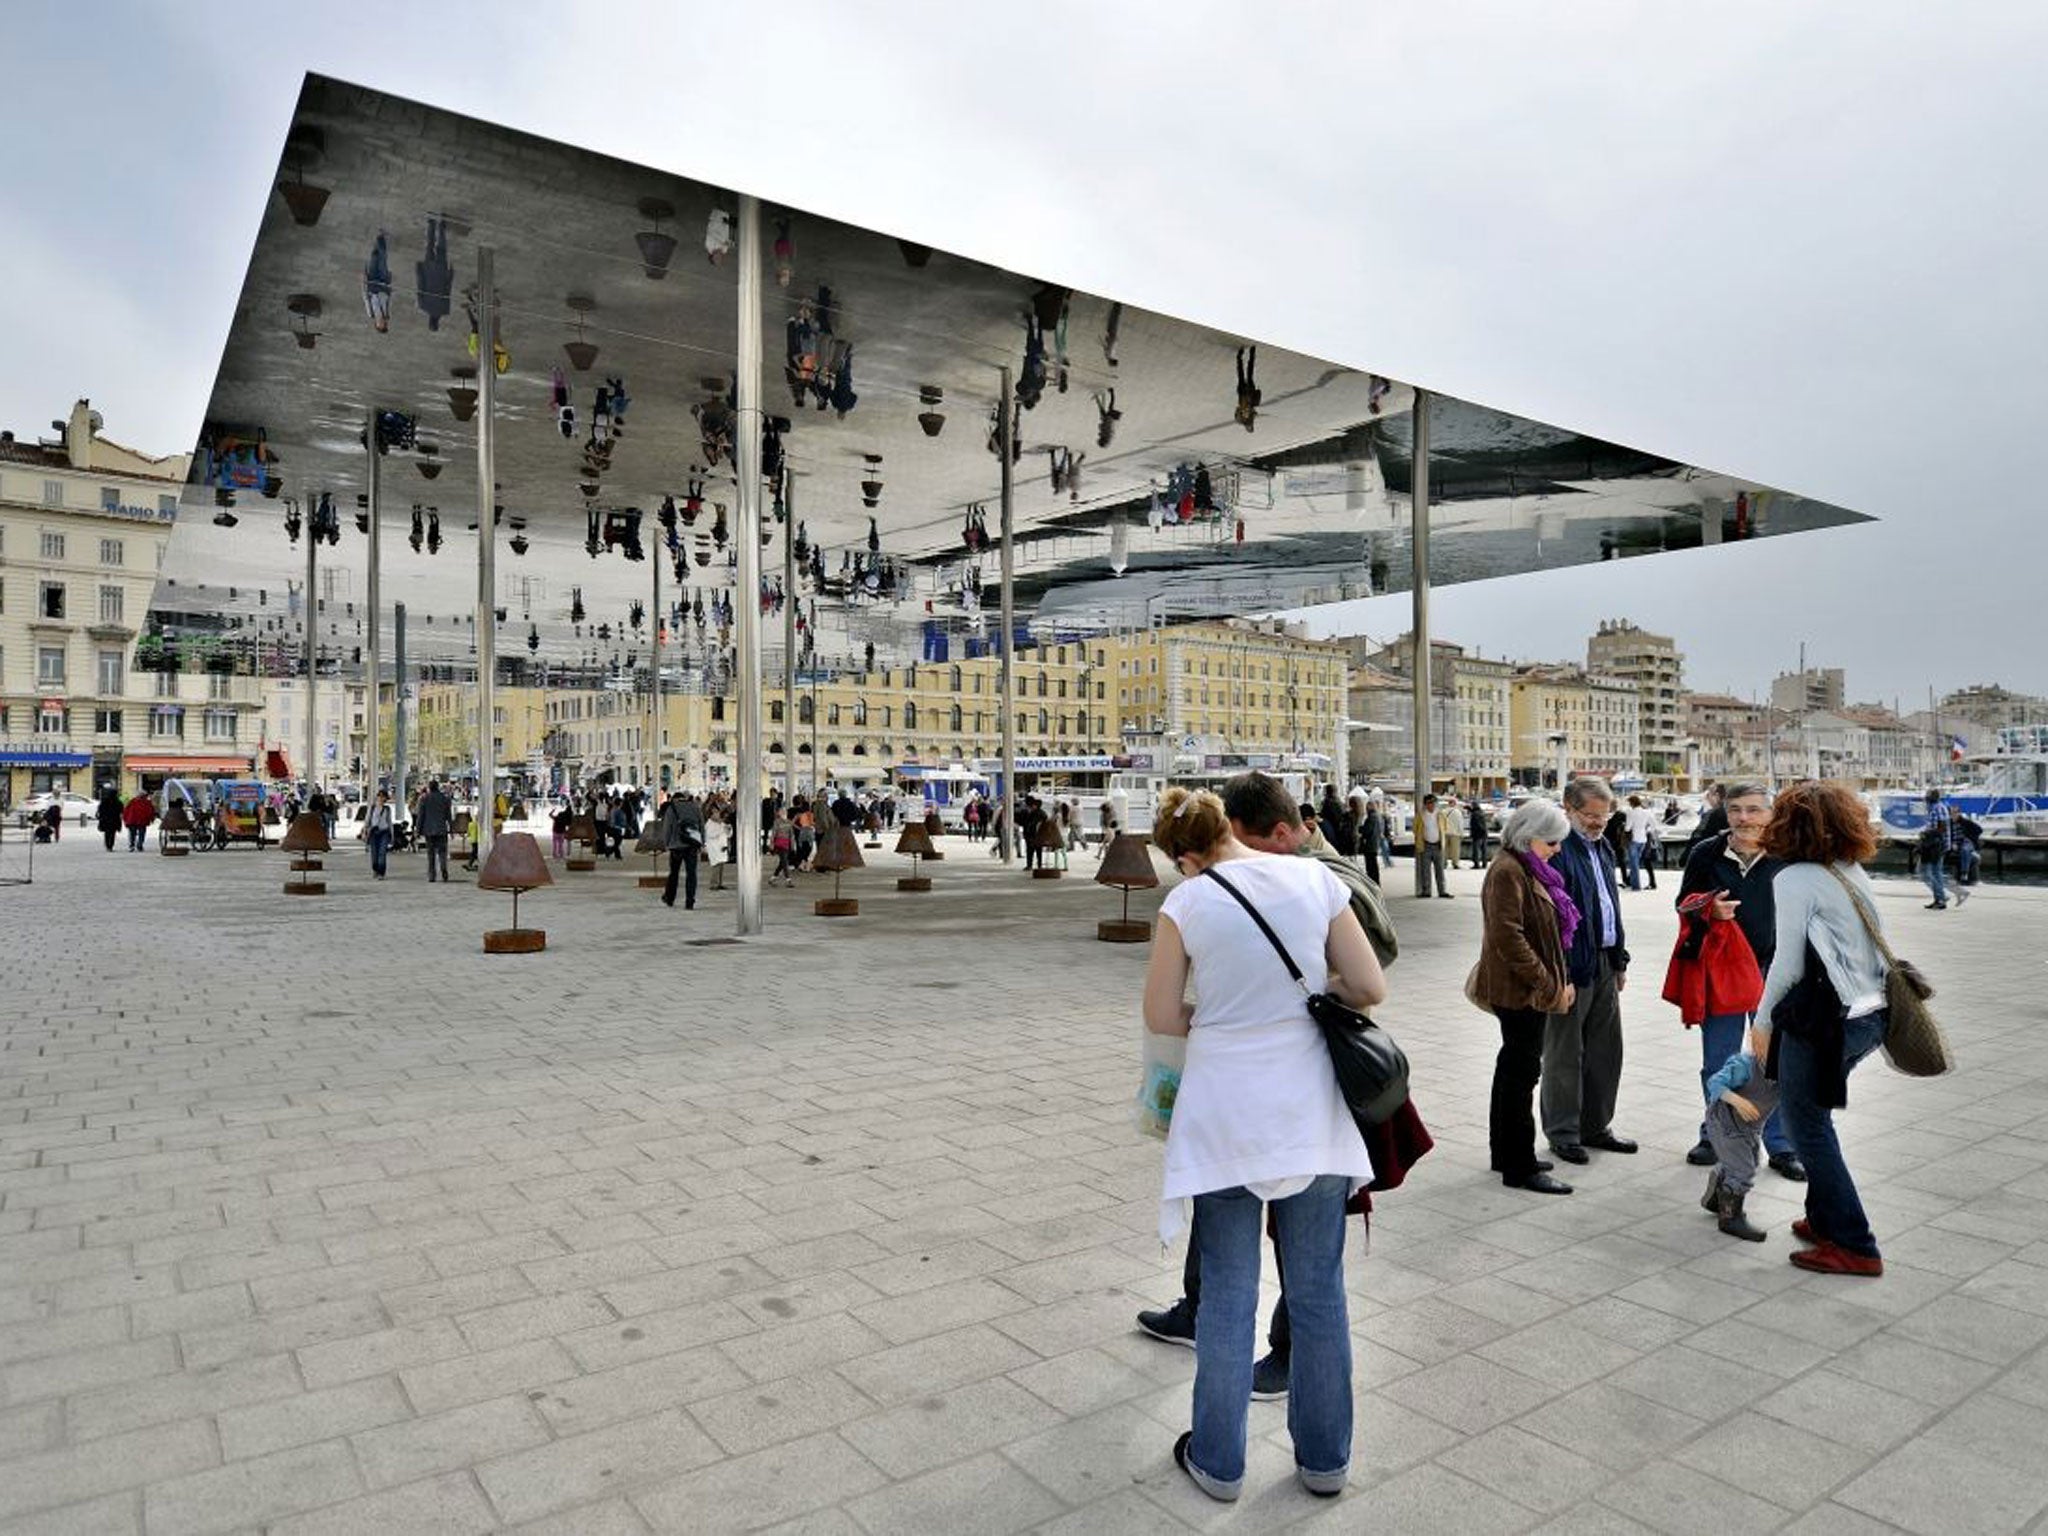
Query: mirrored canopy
point(1166, 469)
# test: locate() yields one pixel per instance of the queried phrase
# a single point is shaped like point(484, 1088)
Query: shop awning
point(38, 757)
point(186, 765)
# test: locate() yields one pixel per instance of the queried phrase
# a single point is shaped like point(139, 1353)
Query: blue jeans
point(1934, 870)
point(1228, 1225)
point(1635, 866)
point(380, 851)
point(1720, 1038)
point(1833, 1207)
point(1967, 861)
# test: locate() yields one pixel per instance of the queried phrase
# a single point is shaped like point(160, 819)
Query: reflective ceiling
point(1186, 508)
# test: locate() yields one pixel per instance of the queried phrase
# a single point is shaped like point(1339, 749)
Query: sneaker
point(1826, 1258)
point(1324, 1485)
point(1170, 1325)
point(1702, 1154)
point(1269, 1379)
point(1962, 895)
point(1222, 1492)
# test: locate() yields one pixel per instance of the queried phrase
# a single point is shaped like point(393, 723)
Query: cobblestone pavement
point(315, 1218)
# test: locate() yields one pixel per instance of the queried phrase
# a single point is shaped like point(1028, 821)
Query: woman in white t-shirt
point(1259, 1119)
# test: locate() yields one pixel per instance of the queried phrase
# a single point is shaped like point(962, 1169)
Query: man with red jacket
point(1733, 865)
point(136, 816)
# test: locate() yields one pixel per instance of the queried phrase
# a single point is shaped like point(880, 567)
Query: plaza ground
point(315, 1218)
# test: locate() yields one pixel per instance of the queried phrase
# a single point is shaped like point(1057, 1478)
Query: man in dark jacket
point(1582, 1048)
point(682, 834)
point(435, 819)
point(1475, 833)
point(1029, 820)
point(1713, 819)
point(109, 815)
point(1734, 864)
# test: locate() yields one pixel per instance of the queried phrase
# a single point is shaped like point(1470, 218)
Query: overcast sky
point(1804, 244)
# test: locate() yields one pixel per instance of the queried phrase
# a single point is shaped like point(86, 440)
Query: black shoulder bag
point(1372, 1072)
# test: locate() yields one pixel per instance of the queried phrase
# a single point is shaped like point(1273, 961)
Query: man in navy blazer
point(1582, 1048)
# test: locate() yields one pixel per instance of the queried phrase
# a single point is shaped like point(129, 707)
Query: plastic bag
point(1165, 1057)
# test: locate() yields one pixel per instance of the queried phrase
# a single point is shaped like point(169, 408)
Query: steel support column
point(398, 764)
point(789, 654)
point(1418, 597)
point(373, 651)
point(1013, 803)
point(486, 550)
point(747, 780)
point(312, 615)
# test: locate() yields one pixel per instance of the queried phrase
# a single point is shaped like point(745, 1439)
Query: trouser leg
point(1280, 1336)
point(1601, 1051)
point(1311, 1236)
point(675, 870)
point(1225, 1333)
point(1737, 1142)
point(1511, 1128)
point(1833, 1205)
point(1562, 1069)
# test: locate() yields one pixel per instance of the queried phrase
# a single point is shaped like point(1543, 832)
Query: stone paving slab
point(315, 1218)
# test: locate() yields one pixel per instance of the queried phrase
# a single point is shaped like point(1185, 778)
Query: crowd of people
point(1779, 965)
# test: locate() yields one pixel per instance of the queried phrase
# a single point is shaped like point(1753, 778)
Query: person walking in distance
point(1641, 823)
point(682, 834)
point(1582, 1044)
point(1522, 976)
point(378, 829)
point(1475, 833)
point(435, 819)
point(108, 814)
point(1734, 869)
point(136, 816)
point(1936, 838)
point(1429, 849)
point(1451, 819)
point(1259, 1124)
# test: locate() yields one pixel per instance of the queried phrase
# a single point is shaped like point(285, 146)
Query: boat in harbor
point(2007, 792)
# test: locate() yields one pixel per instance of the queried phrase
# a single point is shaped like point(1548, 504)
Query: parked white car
point(76, 806)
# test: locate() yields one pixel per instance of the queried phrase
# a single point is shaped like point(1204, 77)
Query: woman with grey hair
point(1521, 976)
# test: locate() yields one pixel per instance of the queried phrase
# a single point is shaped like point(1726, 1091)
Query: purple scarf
point(1553, 884)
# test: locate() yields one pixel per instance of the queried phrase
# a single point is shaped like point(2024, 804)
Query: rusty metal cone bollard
point(1126, 863)
point(174, 832)
point(840, 851)
point(307, 835)
point(917, 842)
point(517, 865)
point(933, 826)
point(582, 833)
point(1050, 840)
point(650, 843)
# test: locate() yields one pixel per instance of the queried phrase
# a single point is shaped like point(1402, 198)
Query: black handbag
point(1372, 1071)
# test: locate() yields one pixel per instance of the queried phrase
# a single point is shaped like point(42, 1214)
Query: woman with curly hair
point(1823, 1008)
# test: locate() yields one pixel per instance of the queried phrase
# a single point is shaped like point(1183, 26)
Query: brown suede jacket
point(1521, 962)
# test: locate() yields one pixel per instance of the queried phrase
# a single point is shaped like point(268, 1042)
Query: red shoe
point(1826, 1258)
point(1803, 1230)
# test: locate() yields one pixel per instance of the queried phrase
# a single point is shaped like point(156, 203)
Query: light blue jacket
point(1813, 906)
point(1736, 1074)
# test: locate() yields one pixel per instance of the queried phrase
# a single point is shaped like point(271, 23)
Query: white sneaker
point(1962, 894)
